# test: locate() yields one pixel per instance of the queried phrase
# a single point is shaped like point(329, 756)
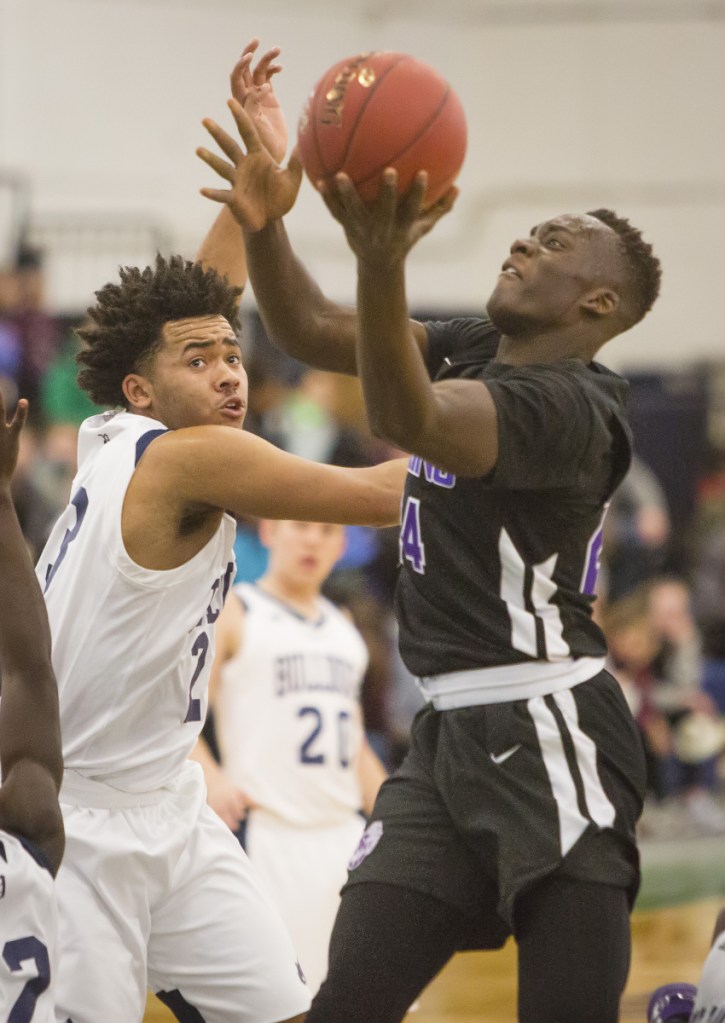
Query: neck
point(302, 597)
point(524, 349)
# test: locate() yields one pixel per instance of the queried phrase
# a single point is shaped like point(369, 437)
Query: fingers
point(20, 417)
point(245, 127)
point(225, 142)
point(216, 194)
point(265, 67)
point(216, 163)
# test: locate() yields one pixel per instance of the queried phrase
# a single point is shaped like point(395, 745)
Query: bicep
point(461, 432)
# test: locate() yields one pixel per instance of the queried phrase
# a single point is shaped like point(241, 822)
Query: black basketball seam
point(411, 142)
point(368, 98)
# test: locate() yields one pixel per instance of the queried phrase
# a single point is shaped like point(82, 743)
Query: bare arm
point(223, 246)
point(30, 746)
point(452, 424)
point(220, 467)
point(296, 314)
point(371, 773)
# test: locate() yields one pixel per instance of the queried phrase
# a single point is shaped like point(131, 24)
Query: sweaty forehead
point(198, 328)
point(574, 223)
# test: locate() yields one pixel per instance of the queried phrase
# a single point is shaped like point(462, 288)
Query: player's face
point(548, 276)
point(197, 377)
point(304, 552)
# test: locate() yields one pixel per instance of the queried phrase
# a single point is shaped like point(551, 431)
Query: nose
point(523, 246)
point(229, 377)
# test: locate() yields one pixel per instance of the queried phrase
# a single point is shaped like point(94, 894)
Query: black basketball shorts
point(492, 799)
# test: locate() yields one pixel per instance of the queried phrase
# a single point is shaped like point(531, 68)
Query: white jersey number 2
point(15, 954)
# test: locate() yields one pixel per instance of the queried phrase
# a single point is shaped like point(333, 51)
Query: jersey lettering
point(17, 952)
point(411, 543)
point(593, 559)
point(199, 650)
point(527, 592)
point(344, 737)
point(431, 472)
point(80, 503)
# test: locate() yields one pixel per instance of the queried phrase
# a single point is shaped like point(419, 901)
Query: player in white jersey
point(286, 695)
point(31, 826)
point(154, 889)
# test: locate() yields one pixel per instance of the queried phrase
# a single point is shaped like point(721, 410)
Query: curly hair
point(124, 327)
point(644, 269)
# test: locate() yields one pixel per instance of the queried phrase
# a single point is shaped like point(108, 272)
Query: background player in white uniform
point(31, 826)
point(285, 689)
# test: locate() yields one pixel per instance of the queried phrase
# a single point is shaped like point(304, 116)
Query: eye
point(197, 361)
point(554, 243)
point(234, 360)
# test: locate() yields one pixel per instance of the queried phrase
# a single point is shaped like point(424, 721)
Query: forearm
point(398, 393)
point(372, 774)
point(223, 249)
point(24, 630)
point(202, 754)
point(296, 315)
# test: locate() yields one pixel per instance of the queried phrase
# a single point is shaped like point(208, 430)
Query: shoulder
point(463, 337)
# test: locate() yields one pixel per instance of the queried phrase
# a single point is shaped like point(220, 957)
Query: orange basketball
point(379, 110)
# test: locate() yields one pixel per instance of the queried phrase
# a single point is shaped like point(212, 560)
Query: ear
point(138, 391)
point(601, 302)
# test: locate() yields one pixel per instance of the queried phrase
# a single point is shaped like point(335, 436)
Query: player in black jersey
point(514, 812)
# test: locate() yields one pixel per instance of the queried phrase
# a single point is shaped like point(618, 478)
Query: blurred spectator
point(11, 349)
point(636, 532)
point(61, 399)
point(37, 328)
point(697, 727)
point(709, 604)
point(633, 646)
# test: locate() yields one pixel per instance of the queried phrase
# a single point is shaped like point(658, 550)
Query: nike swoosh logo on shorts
point(498, 758)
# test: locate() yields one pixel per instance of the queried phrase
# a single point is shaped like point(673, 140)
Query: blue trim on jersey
point(241, 833)
point(184, 1012)
point(33, 850)
point(143, 442)
point(291, 610)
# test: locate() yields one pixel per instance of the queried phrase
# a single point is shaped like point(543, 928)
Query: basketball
point(378, 110)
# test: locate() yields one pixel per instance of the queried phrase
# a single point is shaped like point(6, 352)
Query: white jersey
point(28, 925)
point(132, 647)
point(288, 716)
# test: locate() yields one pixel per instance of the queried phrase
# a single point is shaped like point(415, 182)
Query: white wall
point(571, 105)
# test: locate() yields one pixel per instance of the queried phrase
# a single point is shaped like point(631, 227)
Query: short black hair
point(644, 269)
point(124, 327)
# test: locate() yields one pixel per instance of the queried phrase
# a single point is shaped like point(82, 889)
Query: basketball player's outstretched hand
point(9, 439)
point(252, 87)
point(383, 232)
point(261, 190)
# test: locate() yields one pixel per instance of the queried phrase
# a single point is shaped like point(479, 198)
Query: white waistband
point(78, 790)
point(506, 683)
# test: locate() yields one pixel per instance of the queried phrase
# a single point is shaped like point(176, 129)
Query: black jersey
point(501, 569)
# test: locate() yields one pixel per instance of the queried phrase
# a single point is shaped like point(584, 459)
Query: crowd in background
point(664, 617)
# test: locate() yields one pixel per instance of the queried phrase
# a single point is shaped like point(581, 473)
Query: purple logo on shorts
point(370, 838)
